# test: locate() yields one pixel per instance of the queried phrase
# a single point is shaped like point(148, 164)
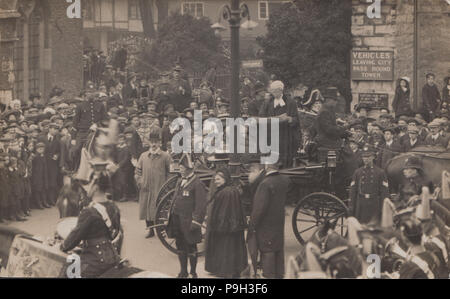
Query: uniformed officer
point(87, 113)
point(186, 216)
point(369, 188)
point(180, 90)
point(98, 226)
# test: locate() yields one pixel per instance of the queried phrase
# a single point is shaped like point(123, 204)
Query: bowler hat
point(391, 129)
point(413, 120)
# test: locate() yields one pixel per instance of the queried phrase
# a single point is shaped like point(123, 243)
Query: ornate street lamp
point(234, 13)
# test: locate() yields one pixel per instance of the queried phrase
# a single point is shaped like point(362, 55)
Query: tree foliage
point(188, 40)
point(309, 42)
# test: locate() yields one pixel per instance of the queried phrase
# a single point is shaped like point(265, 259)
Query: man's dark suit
point(267, 221)
point(329, 134)
point(52, 155)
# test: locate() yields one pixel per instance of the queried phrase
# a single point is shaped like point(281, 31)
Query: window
point(263, 10)
point(265, 7)
point(134, 12)
point(194, 9)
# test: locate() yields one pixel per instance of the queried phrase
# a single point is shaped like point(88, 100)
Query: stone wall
point(394, 31)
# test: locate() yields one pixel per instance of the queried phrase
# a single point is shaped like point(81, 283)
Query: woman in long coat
point(226, 253)
point(401, 104)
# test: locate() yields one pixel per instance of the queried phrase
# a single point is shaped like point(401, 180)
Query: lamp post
point(234, 13)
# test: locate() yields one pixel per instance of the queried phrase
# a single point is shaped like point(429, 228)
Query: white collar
point(390, 142)
point(279, 102)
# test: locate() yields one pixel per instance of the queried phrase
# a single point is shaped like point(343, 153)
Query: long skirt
point(226, 254)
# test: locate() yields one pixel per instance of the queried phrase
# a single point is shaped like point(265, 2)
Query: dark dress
point(226, 252)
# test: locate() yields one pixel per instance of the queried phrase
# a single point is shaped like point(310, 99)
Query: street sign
point(372, 65)
point(373, 100)
point(252, 64)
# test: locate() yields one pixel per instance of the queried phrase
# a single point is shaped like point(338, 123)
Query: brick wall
point(66, 50)
point(394, 31)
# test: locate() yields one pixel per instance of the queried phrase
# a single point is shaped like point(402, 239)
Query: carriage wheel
point(168, 186)
point(162, 218)
point(313, 210)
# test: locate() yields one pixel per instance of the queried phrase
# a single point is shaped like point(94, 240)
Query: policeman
point(186, 216)
point(98, 226)
point(368, 189)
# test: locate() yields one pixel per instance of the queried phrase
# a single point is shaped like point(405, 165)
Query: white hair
point(276, 85)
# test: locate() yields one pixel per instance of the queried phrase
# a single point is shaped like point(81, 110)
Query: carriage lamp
point(332, 159)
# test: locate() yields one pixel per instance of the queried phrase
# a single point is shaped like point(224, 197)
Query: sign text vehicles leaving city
point(372, 65)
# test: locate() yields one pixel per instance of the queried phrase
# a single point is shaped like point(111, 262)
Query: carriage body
point(312, 192)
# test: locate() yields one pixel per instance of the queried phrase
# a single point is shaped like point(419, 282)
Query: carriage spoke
point(309, 228)
point(307, 220)
point(337, 216)
point(307, 214)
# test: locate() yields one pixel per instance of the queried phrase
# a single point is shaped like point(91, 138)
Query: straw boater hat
point(434, 124)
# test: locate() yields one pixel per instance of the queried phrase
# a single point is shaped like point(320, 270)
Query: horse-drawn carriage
point(313, 182)
point(317, 188)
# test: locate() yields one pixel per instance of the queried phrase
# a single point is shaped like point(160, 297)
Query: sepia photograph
point(217, 146)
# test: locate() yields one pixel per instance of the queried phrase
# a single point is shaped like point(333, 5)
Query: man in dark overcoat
point(186, 216)
point(267, 221)
point(52, 155)
point(328, 134)
point(431, 98)
point(39, 179)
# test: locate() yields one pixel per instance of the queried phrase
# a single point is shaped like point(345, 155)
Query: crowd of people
point(42, 140)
